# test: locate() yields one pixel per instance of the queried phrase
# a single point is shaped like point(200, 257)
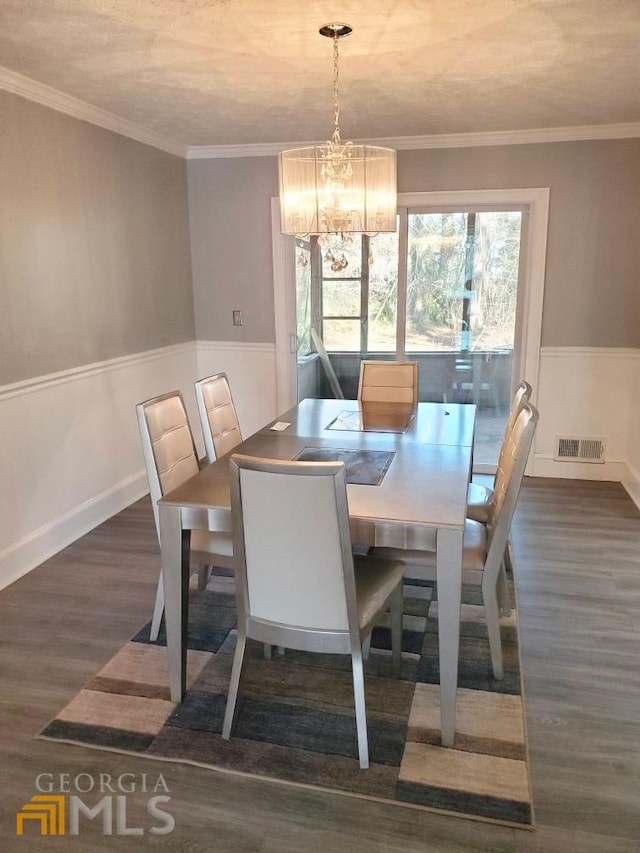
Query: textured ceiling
point(218, 72)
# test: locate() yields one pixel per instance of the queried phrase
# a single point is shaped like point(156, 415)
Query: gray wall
point(593, 252)
point(94, 244)
point(592, 296)
point(230, 222)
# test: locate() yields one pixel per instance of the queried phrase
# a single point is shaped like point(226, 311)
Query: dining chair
point(298, 584)
point(170, 458)
point(218, 417)
point(479, 497)
point(388, 382)
point(484, 544)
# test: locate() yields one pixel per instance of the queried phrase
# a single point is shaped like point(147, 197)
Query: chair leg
point(504, 599)
point(234, 684)
point(361, 713)
point(267, 651)
point(492, 613)
point(158, 610)
point(366, 646)
point(508, 557)
point(396, 629)
point(203, 578)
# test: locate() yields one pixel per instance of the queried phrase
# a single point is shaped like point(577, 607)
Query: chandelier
point(337, 187)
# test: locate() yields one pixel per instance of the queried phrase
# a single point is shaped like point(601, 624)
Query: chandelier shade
point(337, 187)
point(325, 192)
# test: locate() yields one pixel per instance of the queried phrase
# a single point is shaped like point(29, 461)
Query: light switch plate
point(237, 318)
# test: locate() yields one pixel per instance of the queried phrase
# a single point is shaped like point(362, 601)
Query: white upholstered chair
point(388, 382)
point(170, 458)
point(297, 583)
point(484, 544)
point(479, 497)
point(218, 418)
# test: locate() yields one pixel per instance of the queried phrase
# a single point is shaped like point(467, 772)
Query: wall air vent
point(575, 448)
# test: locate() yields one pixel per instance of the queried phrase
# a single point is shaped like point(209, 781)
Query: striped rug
point(295, 720)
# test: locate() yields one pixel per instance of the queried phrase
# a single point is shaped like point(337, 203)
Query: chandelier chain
point(336, 97)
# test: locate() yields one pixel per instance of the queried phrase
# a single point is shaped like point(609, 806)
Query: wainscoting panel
point(71, 454)
point(251, 368)
point(586, 392)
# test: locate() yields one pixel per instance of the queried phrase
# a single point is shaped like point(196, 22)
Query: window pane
point(447, 250)
point(383, 292)
point(341, 299)
point(341, 335)
point(495, 280)
point(435, 281)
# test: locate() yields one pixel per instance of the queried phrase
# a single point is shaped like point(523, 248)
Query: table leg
point(449, 576)
point(174, 550)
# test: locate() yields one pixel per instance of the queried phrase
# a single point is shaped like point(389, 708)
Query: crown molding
point(627, 130)
point(32, 90)
point(18, 84)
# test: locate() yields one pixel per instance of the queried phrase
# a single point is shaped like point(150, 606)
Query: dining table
point(416, 500)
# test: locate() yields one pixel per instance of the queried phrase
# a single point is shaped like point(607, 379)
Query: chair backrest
point(291, 538)
point(513, 460)
point(220, 426)
point(520, 398)
point(388, 382)
point(170, 455)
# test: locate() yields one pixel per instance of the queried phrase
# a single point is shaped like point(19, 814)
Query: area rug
point(295, 720)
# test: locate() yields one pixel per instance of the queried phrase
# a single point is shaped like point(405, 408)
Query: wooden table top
point(425, 484)
point(427, 423)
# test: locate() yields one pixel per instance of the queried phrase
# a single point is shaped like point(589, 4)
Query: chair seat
point(422, 564)
point(211, 549)
point(479, 500)
point(375, 581)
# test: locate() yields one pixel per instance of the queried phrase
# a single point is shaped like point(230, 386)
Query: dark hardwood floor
point(577, 547)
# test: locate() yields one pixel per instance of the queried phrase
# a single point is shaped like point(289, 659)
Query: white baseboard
point(23, 556)
point(546, 466)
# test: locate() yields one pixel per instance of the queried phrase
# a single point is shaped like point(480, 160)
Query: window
point(460, 288)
